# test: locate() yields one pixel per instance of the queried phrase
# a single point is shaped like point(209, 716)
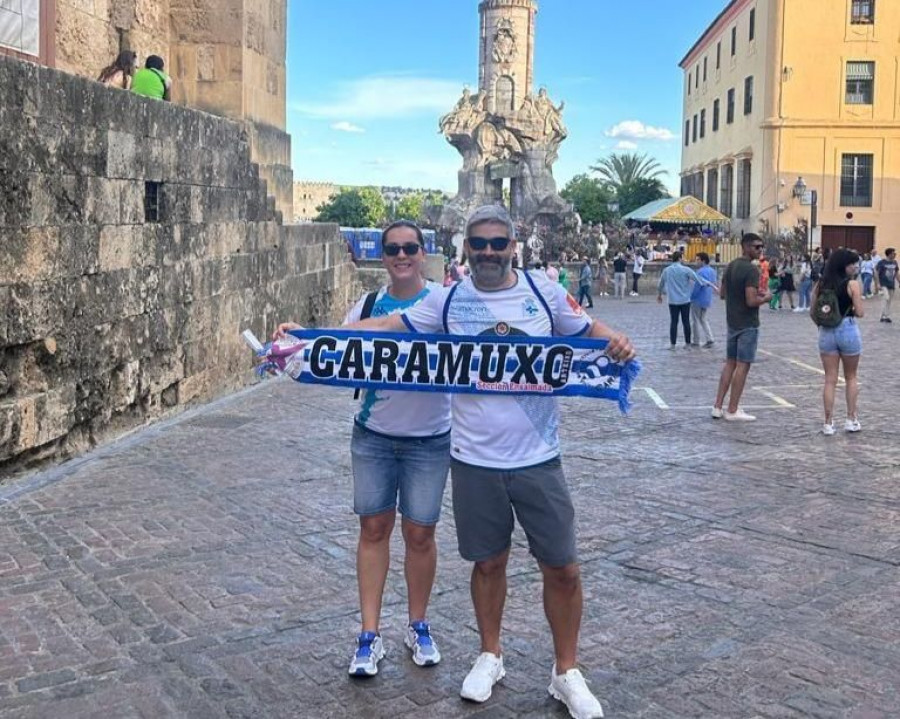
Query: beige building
point(777, 90)
point(309, 196)
point(224, 56)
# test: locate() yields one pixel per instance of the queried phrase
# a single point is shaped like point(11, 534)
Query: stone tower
point(505, 132)
point(506, 65)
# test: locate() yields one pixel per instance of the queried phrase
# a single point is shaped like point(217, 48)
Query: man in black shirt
point(740, 290)
point(619, 265)
point(886, 272)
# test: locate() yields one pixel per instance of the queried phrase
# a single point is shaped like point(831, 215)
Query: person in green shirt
point(151, 80)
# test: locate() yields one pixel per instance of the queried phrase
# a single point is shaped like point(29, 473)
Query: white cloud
point(637, 130)
point(385, 96)
point(344, 126)
point(626, 145)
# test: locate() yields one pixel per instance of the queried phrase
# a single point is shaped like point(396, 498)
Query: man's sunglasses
point(498, 244)
point(410, 249)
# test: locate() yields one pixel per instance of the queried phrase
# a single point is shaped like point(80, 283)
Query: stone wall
point(107, 318)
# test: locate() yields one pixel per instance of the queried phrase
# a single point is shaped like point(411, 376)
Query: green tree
point(590, 196)
point(354, 207)
point(620, 170)
point(639, 192)
point(411, 207)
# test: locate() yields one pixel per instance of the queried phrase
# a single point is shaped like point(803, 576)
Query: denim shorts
point(411, 468)
point(742, 344)
point(841, 340)
point(486, 501)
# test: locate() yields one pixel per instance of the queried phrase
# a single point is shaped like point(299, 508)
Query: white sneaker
point(739, 416)
point(479, 682)
point(420, 642)
point(828, 429)
point(369, 651)
point(852, 425)
point(717, 413)
point(571, 689)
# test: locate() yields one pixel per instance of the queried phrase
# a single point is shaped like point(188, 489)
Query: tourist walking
point(886, 271)
point(743, 298)
point(701, 300)
point(603, 276)
point(774, 285)
point(676, 283)
point(619, 281)
point(508, 468)
point(867, 275)
point(786, 284)
point(585, 280)
point(806, 284)
point(840, 343)
point(637, 271)
point(400, 452)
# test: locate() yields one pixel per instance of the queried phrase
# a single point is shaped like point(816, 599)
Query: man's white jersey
point(492, 430)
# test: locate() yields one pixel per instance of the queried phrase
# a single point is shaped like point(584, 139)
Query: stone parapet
point(138, 241)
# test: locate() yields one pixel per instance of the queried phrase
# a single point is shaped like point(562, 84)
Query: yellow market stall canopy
point(677, 211)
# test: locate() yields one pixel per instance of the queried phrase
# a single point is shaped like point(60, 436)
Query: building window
point(689, 83)
point(743, 196)
point(748, 95)
point(733, 41)
point(726, 189)
point(862, 12)
point(20, 26)
point(860, 83)
point(715, 115)
point(702, 126)
point(687, 133)
point(729, 110)
point(856, 180)
point(697, 76)
point(712, 188)
point(694, 133)
point(152, 201)
point(704, 69)
point(718, 55)
point(752, 24)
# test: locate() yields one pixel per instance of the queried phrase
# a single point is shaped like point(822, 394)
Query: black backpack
point(826, 311)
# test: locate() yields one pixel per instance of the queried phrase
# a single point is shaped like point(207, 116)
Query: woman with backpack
point(806, 285)
point(836, 305)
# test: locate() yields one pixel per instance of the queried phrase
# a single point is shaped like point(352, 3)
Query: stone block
point(123, 246)
point(123, 156)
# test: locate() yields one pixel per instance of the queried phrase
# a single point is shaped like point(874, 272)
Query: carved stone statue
point(504, 42)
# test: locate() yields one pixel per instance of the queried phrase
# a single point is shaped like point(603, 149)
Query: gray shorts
point(484, 501)
point(742, 344)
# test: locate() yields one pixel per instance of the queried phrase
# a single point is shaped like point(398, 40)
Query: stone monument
point(505, 131)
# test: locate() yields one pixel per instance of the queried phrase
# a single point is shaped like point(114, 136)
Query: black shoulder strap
point(364, 314)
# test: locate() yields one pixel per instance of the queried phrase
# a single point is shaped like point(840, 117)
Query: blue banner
point(484, 364)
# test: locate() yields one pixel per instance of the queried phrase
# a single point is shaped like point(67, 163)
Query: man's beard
point(491, 271)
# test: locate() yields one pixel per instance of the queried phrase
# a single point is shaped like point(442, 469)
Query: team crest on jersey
point(501, 329)
point(574, 304)
point(530, 307)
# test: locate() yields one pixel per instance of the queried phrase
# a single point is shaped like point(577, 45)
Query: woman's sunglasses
point(410, 249)
point(498, 244)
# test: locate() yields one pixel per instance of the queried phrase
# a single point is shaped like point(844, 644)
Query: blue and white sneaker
point(424, 651)
point(369, 651)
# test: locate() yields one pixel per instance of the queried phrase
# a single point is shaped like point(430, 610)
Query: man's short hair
point(403, 223)
point(703, 257)
point(491, 213)
point(154, 62)
point(750, 238)
point(676, 256)
point(890, 251)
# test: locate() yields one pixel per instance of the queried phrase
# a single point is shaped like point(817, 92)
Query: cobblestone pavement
point(204, 567)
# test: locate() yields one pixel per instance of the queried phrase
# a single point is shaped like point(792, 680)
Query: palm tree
point(622, 170)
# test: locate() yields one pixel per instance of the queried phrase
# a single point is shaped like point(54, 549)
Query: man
point(676, 283)
point(151, 80)
point(886, 272)
point(636, 273)
point(619, 266)
point(505, 453)
point(585, 280)
point(400, 450)
point(743, 298)
point(701, 299)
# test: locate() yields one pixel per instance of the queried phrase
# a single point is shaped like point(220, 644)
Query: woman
point(806, 284)
point(867, 272)
point(119, 74)
point(787, 282)
point(774, 286)
point(603, 276)
point(841, 345)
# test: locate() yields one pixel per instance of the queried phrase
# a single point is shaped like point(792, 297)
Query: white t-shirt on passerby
point(638, 265)
point(495, 431)
point(400, 414)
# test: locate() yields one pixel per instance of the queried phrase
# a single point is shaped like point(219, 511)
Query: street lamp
point(799, 188)
point(799, 192)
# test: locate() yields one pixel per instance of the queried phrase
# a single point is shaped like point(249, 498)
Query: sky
point(367, 82)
